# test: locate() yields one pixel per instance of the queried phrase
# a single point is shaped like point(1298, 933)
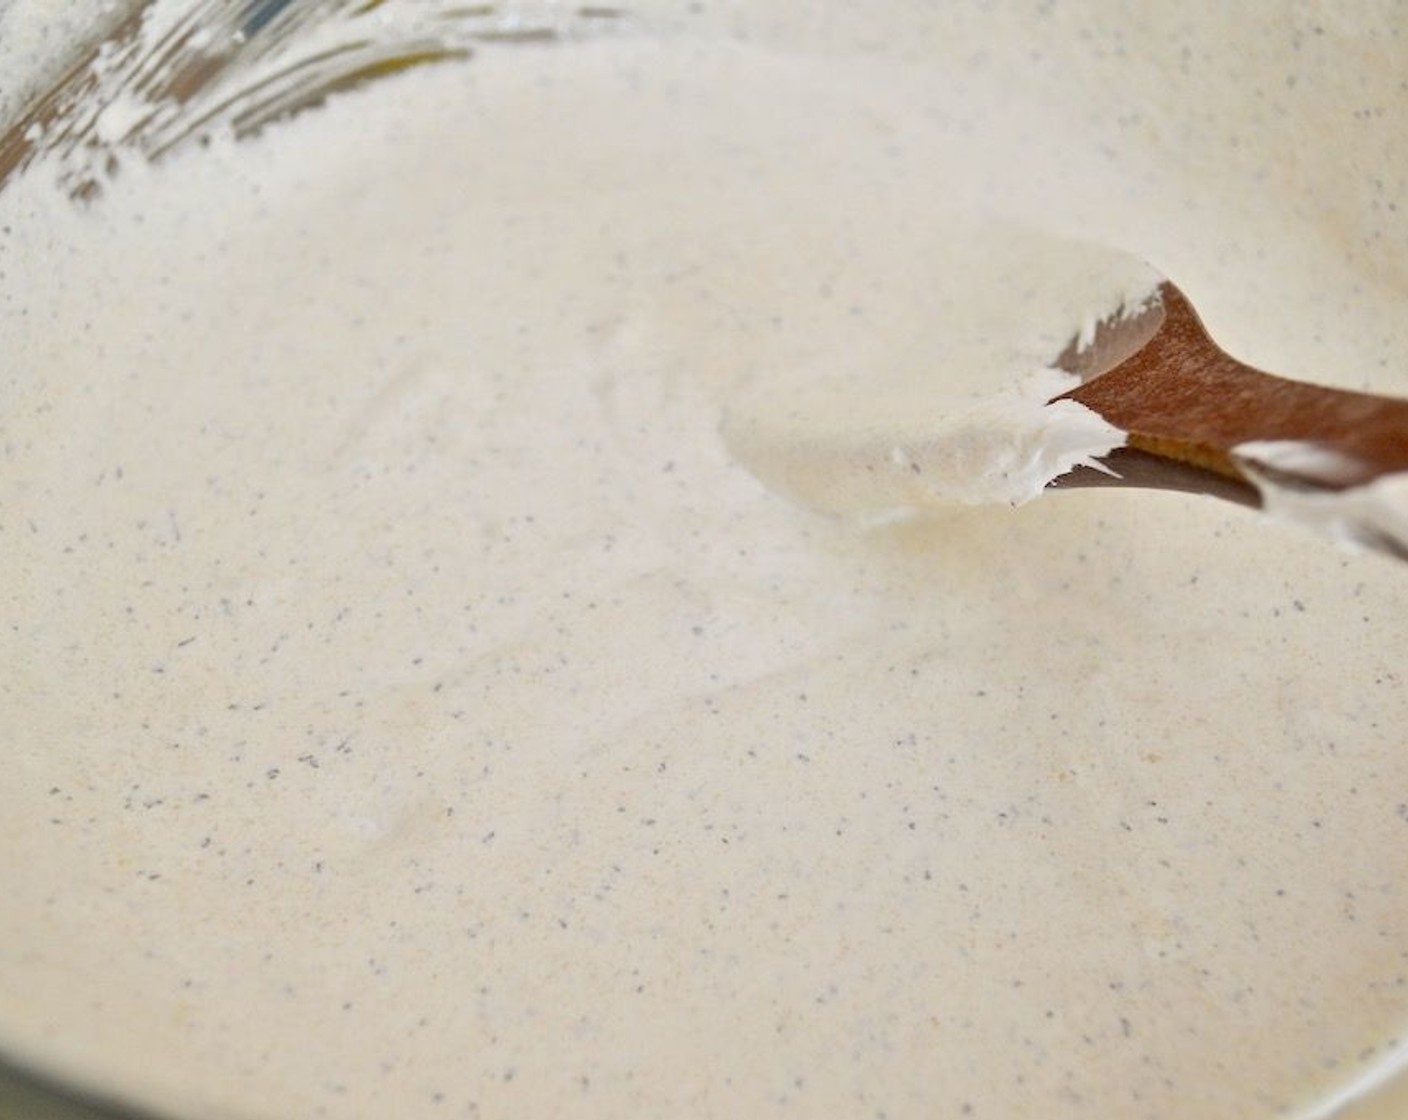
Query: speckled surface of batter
point(413, 708)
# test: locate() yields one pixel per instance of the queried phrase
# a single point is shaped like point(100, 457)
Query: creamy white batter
point(414, 706)
point(966, 419)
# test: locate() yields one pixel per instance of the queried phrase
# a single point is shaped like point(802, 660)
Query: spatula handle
point(1199, 420)
point(1181, 397)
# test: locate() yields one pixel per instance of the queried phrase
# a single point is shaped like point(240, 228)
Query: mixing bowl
point(417, 708)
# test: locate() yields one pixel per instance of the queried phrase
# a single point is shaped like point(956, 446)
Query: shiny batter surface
point(414, 707)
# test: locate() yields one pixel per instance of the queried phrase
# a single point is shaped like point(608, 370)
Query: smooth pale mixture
point(418, 701)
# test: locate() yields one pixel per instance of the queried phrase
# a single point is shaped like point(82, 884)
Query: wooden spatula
point(1199, 420)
